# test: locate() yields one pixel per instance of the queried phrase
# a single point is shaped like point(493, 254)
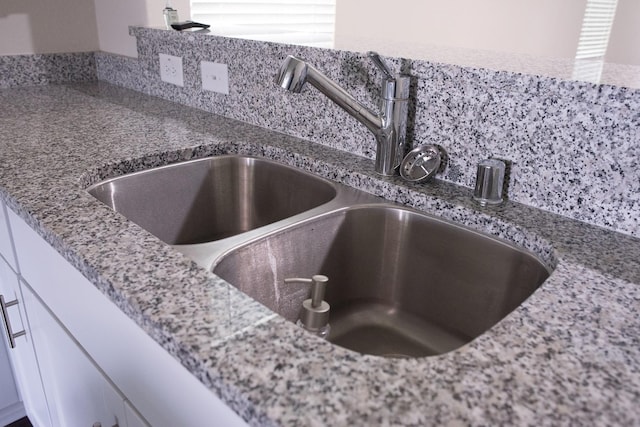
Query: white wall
point(547, 28)
point(115, 16)
point(624, 41)
point(47, 26)
point(55, 26)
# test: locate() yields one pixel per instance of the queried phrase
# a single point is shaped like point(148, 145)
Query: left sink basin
point(213, 198)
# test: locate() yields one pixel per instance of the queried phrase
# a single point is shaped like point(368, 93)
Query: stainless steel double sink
point(402, 283)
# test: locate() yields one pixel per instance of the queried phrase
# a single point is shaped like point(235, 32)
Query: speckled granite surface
point(570, 355)
point(586, 70)
point(573, 145)
point(25, 70)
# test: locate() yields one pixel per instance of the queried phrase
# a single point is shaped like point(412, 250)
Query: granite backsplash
point(573, 146)
point(30, 70)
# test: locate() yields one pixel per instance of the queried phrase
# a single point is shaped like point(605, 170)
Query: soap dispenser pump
point(314, 316)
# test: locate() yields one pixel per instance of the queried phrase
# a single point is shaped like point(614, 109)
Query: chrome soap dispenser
point(314, 316)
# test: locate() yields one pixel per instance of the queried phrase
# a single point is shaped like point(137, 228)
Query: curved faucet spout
point(295, 72)
point(292, 75)
point(388, 126)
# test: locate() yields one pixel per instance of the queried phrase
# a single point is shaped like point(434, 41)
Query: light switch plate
point(171, 69)
point(215, 77)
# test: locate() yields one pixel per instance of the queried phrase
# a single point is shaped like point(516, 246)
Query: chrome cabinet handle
point(7, 323)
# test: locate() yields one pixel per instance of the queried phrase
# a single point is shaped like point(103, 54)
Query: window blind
point(310, 22)
point(596, 27)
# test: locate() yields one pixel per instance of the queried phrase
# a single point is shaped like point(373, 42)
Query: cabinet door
point(134, 419)
point(81, 394)
point(23, 358)
point(11, 407)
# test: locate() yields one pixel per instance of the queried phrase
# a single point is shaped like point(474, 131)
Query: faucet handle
point(378, 62)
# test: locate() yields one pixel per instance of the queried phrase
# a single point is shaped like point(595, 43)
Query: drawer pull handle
point(7, 323)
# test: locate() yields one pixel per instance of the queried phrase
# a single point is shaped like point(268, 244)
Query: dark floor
point(22, 422)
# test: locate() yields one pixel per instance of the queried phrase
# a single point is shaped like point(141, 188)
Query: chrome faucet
point(389, 124)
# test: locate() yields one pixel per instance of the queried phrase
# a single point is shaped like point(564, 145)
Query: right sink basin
point(401, 283)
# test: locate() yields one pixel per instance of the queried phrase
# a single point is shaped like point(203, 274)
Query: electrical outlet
point(215, 77)
point(171, 69)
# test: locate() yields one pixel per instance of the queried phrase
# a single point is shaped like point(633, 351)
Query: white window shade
point(596, 27)
point(309, 22)
point(594, 39)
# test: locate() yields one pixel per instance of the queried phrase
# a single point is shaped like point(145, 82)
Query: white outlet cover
point(171, 69)
point(215, 77)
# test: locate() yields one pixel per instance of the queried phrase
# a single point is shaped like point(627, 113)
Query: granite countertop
point(569, 355)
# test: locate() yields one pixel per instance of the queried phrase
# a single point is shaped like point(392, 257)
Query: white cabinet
point(102, 341)
point(6, 247)
point(59, 383)
point(82, 396)
point(134, 419)
point(62, 386)
point(23, 359)
point(11, 408)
